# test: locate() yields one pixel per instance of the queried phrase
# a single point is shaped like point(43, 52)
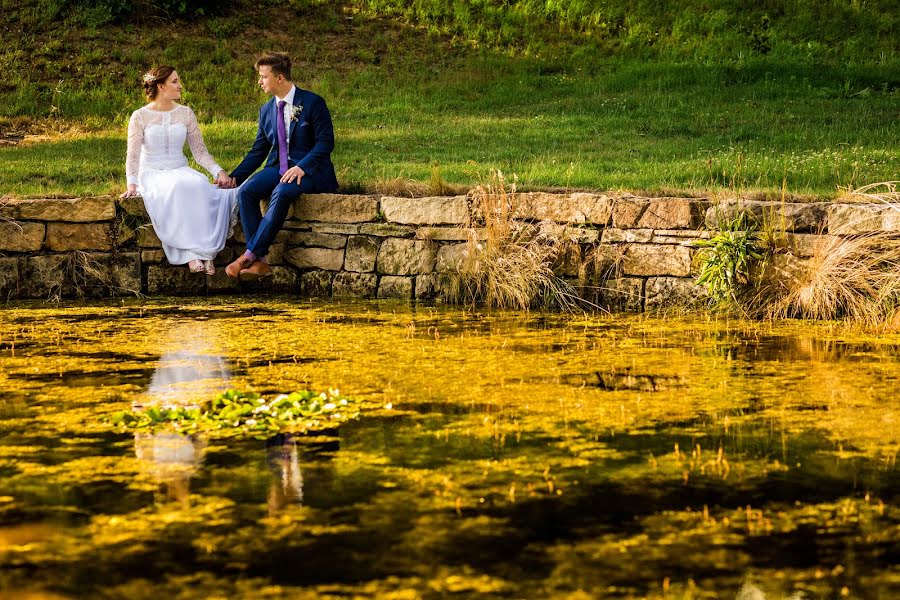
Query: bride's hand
point(131, 191)
point(224, 181)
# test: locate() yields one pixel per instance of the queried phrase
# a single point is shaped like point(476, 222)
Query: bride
point(191, 216)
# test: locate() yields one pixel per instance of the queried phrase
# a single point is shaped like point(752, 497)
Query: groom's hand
point(224, 181)
point(292, 174)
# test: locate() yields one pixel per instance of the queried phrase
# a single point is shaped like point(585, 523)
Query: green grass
point(695, 29)
point(405, 102)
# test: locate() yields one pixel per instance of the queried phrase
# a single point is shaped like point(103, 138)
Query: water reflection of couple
point(191, 371)
point(173, 458)
point(194, 218)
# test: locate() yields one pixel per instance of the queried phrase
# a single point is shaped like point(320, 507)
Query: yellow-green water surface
point(498, 455)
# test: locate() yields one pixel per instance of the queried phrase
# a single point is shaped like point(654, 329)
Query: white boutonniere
point(295, 112)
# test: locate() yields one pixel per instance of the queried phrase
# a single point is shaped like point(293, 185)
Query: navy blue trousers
point(260, 230)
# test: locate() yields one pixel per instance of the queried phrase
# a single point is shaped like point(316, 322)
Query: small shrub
point(438, 187)
point(96, 13)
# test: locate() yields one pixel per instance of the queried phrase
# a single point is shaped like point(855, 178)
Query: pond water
point(498, 455)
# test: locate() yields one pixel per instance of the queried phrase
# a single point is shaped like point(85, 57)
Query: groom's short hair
point(278, 62)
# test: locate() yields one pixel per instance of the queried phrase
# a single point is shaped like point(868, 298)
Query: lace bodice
point(156, 141)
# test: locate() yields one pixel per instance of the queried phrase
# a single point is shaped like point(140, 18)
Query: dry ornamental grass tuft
point(857, 278)
point(510, 264)
point(883, 191)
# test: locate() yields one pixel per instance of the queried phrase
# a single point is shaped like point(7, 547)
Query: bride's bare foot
point(196, 266)
point(209, 267)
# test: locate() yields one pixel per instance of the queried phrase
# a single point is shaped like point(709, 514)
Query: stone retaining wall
point(631, 253)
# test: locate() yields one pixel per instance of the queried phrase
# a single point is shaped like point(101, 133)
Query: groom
point(295, 132)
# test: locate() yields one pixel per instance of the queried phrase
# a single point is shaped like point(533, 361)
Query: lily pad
point(236, 413)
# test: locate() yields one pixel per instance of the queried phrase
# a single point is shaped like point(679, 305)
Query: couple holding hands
point(194, 218)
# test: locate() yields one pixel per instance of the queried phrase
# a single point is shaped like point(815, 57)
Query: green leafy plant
point(235, 413)
point(729, 257)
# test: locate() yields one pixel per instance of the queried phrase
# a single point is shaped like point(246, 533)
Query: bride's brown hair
point(154, 77)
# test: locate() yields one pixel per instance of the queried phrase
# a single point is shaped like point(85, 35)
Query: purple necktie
point(282, 141)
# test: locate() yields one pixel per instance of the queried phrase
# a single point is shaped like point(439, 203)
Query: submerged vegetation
point(525, 455)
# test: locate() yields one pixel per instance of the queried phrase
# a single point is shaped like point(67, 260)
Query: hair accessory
point(149, 78)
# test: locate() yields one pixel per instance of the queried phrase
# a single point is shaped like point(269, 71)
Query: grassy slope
point(406, 102)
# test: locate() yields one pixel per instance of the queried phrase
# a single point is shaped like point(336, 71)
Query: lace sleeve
point(198, 148)
point(135, 140)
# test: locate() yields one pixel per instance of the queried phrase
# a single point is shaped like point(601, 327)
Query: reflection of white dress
point(169, 455)
point(191, 216)
point(190, 371)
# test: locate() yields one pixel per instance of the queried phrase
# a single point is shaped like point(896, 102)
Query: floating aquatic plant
point(236, 413)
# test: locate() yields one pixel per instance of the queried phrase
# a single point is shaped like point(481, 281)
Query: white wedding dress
point(191, 216)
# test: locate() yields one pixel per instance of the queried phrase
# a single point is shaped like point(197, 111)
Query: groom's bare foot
point(257, 270)
point(233, 270)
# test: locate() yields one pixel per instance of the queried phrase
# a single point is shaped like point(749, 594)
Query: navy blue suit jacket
point(310, 142)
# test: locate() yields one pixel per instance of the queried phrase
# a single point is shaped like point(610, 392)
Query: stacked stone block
point(629, 253)
point(51, 248)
